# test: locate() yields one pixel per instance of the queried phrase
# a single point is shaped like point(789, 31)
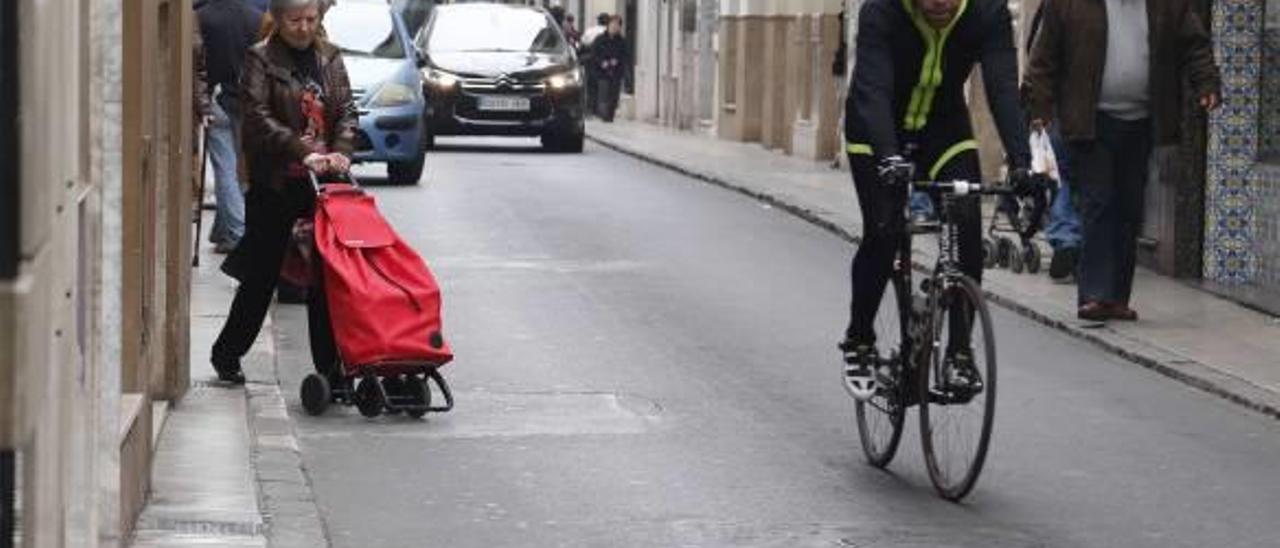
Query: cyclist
point(906, 117)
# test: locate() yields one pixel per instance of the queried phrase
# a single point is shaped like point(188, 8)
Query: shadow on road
point(488, 149)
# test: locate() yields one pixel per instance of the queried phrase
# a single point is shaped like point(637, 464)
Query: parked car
point(497, 69)
point(385, 84)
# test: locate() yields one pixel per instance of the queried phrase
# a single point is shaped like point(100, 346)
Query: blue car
point(385, 83)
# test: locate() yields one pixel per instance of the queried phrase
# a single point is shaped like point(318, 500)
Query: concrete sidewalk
point(226, 471)
point(1185, 333)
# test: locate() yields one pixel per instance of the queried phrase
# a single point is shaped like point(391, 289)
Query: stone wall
point(106, 102)
point(66, 323)
point(776, 85)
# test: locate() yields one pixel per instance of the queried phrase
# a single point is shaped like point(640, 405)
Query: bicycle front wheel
point(958, 394)
point(880, 418)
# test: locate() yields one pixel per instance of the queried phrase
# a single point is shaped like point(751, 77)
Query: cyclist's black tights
point(881, 232)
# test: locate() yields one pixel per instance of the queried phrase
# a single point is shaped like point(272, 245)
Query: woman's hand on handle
point(338, 163)
point(317, 163)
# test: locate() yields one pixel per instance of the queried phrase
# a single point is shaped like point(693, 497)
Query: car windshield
point(493, 28)
point(363, 30)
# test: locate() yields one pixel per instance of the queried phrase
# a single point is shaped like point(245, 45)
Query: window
point(364, 30)
point(487, 28)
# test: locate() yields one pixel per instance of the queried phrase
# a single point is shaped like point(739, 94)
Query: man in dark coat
point(1110, 73)
point(227, 29)
point(610, 58)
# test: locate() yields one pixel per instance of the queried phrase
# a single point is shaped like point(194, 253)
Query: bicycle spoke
point(956, 421)
point(880, 418)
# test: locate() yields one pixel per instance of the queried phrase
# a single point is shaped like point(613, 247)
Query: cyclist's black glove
point(895, 170)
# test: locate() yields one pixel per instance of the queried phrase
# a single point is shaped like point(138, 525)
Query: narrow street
point(645, 360)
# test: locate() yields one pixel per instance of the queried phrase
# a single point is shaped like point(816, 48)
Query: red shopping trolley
point(384, 309)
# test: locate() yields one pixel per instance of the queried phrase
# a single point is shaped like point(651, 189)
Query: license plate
point(501, 103)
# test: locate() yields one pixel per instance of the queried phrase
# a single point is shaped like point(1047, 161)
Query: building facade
point(1241, 251)
point(95, 118)
point(743, 70)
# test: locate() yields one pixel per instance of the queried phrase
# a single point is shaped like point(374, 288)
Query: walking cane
point(199, 208)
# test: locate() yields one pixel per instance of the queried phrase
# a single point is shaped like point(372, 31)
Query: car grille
point(467, 105)
point(501, 84)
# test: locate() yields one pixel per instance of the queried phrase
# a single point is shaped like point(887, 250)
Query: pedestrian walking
point(602, 25)
point(587, 58)
point(1063, 229)
point(299, 118)
point(1138, 52)
point(611, 57)
point(228, 29)
point(571, 31)
point(895, 138)
point(202, 113)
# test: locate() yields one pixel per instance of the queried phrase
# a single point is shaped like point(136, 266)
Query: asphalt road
point(647, 361)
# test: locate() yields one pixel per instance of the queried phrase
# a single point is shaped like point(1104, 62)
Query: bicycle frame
point(922, 315)
point(920, 308)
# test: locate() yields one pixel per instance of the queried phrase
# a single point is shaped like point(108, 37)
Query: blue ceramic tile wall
point(1234, 247)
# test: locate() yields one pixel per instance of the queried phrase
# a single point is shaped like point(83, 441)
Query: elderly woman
point(298, 118)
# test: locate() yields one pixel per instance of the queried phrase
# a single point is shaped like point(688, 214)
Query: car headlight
point(569, 79)
point(441, 79)
point(392, 94)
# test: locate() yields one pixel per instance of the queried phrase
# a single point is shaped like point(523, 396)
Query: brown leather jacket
point(1064, 74)
point(273, 118)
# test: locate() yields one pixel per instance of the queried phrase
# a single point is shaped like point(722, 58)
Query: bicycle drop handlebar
point(963, 188)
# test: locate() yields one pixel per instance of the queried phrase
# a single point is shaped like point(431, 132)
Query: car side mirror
point(420, 58)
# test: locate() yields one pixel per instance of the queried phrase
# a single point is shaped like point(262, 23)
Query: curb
point(285, 496)
point(1180, 368)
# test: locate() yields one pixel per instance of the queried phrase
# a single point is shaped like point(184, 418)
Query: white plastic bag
point(1043, 160)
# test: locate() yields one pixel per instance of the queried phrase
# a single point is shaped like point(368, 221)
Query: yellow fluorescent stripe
point(937, 67)
point(926, 66)
point(950, 154)
point(931, 69)
point(859, 148)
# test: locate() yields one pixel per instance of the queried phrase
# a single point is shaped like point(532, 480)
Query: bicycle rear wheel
point(956, 413)
point(880, 418)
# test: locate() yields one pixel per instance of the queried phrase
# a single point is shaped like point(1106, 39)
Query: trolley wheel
point(396, 391)
point(1016, 258)
point(988, 253)
point(1031, 256)
point(316, 394)
point(419, 395)
point(368, 397)
point(1004, 251)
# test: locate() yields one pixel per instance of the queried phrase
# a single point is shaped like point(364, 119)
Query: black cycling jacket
point(909, 81)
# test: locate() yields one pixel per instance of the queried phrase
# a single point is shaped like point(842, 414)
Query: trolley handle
point(960, 187)
point(319, 187)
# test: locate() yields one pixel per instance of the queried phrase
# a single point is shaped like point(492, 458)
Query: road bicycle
point(924, 338)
